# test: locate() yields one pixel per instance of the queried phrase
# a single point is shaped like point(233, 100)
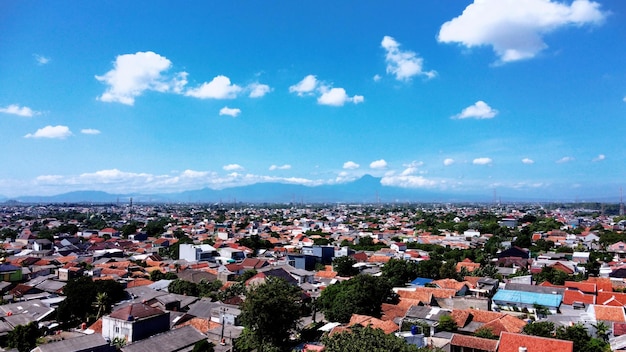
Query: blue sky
point(525, 97)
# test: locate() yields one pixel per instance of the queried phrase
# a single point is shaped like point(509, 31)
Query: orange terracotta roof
point(378, 259)
point(419, 292)
point(507, 323)
point(450, 284)
point(510, 342)
point(392, 311)
point(602, 283)
point(469, 266)
point(586, 287)
point(326, 274)
point(387, 326)
point(139, 282)
point(604, 297)
point(610, 313)
point(474, 343)
point(571, 296)
point(97, 326)
point(202, 325)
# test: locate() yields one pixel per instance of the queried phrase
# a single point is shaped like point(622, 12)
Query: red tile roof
point(387, 326)
point(136, 311)
point(510, 342)
point(610, 313)
point(475, 343)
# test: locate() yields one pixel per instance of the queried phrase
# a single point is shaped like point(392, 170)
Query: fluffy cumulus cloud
point(403, 64)
point(378, 164)
point(280, 167)
point(327, 95)
point(234, 112)
point(306, 86)
point(258, 90)
point(350, 165)
point(338, 97)
point(407, 181)
point(480, 110)
point(219, 88)
point(89, 131)
point(15, 109)
point(515, 28)
point(133, 74)
point(600, 157)
point(528, 161)
point(565, 159)
point(482, 161)
point(232, 167)
point(53, 132)
point(448, 161)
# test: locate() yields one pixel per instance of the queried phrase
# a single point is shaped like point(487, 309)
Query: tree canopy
point(269, 315)
point(368, 339)
point(362, 294)
point(23, 337)
point(344, 266)
point(81, 294)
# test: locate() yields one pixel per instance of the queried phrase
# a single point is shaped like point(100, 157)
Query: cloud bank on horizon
point(522, 95)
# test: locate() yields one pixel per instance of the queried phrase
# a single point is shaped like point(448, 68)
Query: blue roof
point(421, 281)
point(528, 298)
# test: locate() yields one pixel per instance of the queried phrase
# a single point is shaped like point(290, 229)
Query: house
point(85, 343)
point(517, 300)
point(10, 273)
point(134, 322)
point(464, 343)
point(42, 244)
point(510, 342)
point(181, 339)
point(196, 253)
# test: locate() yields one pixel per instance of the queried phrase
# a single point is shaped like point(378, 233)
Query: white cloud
point(350, 165)
point(133, 74)
point(15, 109)
point(565, 159)
point(56, 132)
point(480, 110)
point(514, 28)
point(378, 164)
point(377, 77)
point(624, 99)
point(41, 60)
point(230, 112)
point(232, 167)
point(528, 161)
point(408, 181)
point(482, 161)
point(305, 87)
point(89, 131)
point(258, 90)
point(448, 161)
point(219, 88)
point(338, 97)
point(600, 157)
point(194, 174)
point(280, 167)
point(403, 64)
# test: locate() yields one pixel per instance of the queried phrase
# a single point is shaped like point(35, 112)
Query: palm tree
point(602, 330)
point(101, 303)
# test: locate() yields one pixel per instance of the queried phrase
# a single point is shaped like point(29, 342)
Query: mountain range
point(367, 189)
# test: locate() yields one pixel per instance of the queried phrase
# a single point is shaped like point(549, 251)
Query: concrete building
point(197, 252)
point(135, 322)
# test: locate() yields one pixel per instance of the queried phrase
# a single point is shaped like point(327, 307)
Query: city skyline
point(524, 97)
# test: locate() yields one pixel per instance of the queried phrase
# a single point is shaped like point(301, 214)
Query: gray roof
point(86, 343)
point(202, 308)
point(427, 313)
point(170, 341)
point(534, 288)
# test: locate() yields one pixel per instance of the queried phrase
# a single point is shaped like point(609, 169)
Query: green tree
point(583, 342)
point(399, 271)
point(183, 287)
point(447, 323)
point(23, 337)
point(362, 294)
point(269, 315)
point(486, 333)
point(203, 346)
point(344, 266)
point(80, 295)
point(539, 328)
point(367, 339)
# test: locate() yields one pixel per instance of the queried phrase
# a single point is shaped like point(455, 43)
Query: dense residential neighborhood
point(235, 277)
